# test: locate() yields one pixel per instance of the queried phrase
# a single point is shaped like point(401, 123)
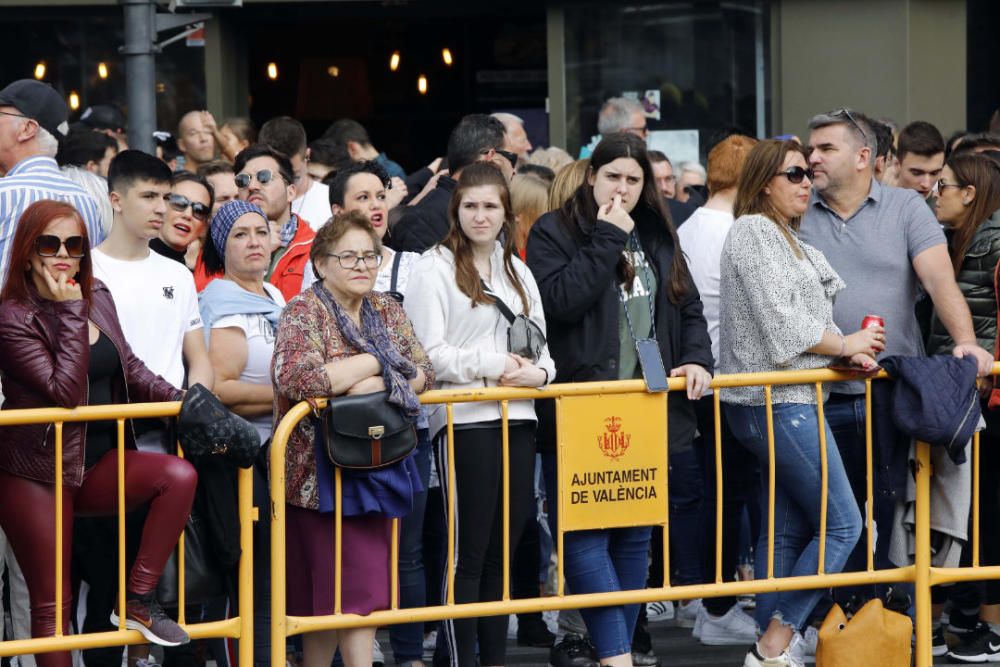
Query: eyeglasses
point(180, 204)
point(510, 157)
point(264, 176)
point(47, 245)
point(350, 260)
point(847, 114)
point(941, 185)
point(796, 174)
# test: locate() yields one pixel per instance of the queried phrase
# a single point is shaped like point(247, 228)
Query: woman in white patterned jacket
point(777, 314)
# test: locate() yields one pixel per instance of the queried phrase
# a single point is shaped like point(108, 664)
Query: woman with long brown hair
point(968, 196)
point(611, 274)
point(454, 300)
point(776, 313)
point(61, 345)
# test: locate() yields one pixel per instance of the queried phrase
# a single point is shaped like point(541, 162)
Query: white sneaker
point(687, 614)
point(377, 658)
point(430, 643)
point(699, 622)
point(755, 659)
point(734, 628)
point(657, 612)
point(810, 640)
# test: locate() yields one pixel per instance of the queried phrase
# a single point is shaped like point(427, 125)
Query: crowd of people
point(272, 270)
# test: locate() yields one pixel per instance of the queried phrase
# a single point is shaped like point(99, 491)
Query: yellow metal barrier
point(920, 572)
point(240, 627)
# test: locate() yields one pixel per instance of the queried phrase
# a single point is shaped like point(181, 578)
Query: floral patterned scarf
point(396, 369)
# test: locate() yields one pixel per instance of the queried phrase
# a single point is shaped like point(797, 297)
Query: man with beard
point(264, 177)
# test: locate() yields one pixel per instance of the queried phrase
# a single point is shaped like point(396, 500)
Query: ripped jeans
point(798, 484)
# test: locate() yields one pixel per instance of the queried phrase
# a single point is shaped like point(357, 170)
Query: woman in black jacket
point(609, 250)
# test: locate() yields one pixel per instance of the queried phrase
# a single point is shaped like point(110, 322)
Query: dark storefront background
point(983, 84)
point(702, 57)
point(499, 61)
point(73, 42)
point(705, 58)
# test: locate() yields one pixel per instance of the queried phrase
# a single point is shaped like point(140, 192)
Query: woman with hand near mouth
point(452, 302)
point(189, 206)
point(613, 279)
point(364, 187)
point(61, 344)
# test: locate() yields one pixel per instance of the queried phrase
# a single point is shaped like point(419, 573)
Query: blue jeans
point(600, 561)
point(408, 639)
point(798, 484)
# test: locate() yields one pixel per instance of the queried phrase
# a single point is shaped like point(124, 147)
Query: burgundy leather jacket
point(44, 358)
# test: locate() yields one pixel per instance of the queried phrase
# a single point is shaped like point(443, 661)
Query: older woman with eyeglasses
point(341, 337)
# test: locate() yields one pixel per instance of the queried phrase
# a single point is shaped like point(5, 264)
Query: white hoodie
point(468, 346)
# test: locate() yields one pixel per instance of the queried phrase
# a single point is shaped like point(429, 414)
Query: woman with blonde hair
point(529, 198)
point(568, 180)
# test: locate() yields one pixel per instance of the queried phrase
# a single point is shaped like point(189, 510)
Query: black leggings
point(479, 526)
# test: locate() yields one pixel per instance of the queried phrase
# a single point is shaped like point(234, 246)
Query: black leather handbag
point(366, 431)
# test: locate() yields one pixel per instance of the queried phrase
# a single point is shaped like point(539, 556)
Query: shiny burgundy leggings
point(27, 515)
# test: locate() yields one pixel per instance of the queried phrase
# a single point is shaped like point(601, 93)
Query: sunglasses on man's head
point(47, 245)
point(796, 174)
point(180, 204)
point(263, 176)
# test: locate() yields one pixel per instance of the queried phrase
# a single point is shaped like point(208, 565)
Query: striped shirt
point(33, 179)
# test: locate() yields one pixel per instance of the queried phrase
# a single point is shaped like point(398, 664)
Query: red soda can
point(871, 321)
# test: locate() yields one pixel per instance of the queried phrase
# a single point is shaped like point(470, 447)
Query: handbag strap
point(394, 278)
point(498, 302)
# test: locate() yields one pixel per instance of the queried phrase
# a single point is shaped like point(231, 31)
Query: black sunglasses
point(47, 245)
point(510, 157)
point(180, 204)
point(263, 176)
point(850, 117)
point(796, 174)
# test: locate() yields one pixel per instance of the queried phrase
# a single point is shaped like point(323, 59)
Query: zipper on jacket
point(965, 417)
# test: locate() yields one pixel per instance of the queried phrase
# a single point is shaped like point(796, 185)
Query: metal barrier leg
point(245, 482)
point(922, 558)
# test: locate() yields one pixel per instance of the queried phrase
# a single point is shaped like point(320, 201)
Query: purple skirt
point(309, 566)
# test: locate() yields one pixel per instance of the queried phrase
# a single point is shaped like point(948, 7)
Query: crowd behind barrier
point(408, 371)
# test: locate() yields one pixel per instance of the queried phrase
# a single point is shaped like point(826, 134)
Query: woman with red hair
point(61, 345)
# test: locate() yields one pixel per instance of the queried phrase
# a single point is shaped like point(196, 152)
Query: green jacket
point(975, 279)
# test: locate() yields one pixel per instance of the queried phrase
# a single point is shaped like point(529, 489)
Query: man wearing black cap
point(106, 119)
point(32, 122)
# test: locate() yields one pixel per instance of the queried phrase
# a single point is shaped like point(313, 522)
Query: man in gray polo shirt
point(885, 243)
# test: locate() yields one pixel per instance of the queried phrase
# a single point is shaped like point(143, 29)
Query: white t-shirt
point(157, 306)
point(702, 237)
point(314, 205)
point(260, 347)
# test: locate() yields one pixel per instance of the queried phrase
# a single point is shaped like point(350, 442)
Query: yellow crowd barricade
point(630, 418)
point(239, 627)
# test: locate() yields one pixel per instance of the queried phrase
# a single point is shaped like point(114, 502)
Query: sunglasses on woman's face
point(180, 204)
point(796, 174)
point(47, 245)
